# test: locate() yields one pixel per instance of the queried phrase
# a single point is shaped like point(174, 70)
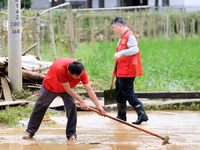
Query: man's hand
point(113, 72)
point(117, 55)
point(83, 105)
point(102, 112)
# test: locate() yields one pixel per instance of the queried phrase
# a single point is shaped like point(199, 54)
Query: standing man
point(129, 66)
point(63, 75)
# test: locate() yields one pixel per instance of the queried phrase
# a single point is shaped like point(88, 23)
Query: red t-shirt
point(58, 74)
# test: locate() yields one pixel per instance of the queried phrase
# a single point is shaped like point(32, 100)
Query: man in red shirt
point(63, 75)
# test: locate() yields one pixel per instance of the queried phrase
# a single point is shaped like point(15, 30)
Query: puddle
point(96, 132)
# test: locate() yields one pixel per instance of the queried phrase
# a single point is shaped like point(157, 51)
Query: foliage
point(168, 65)
point(180, 106)
point(21, 95)
point(24, 3)
point(11, 116)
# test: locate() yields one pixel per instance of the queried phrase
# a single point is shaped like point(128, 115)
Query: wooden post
point(70, 32)
point(135, 23)
point(177, 28)
point(199, 28)
point(92, 31)
point(37, 35)
point(43, 31)
point(72, 27)
point(59, 34)
point(182, 24)
point(140, 23)
point(106, 30)
point(26, 51)
point(154, 26)
point(6, 89)
point(193, 28)
point(51, 32)
point(78, 30)
point(167, 26)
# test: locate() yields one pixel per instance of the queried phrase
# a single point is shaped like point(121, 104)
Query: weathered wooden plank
point(6, 89)
point(170, 95)
point(155, 95)
point(9, 103)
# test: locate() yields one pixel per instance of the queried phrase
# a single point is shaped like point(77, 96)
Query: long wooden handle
point(166, 139)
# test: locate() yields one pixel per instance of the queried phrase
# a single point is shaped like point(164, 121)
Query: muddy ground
point(98, 133)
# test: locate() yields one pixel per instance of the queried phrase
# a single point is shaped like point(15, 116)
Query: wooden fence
point(176, 24)
point(62, 27)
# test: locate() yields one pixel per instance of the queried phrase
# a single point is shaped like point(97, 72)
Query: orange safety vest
point(128, 66)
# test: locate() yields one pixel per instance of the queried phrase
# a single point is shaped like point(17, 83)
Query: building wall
point(95, 3)
point(176, 3)
point(111, 3)
point(151, 3)
point(40, 4)
point(193, 3)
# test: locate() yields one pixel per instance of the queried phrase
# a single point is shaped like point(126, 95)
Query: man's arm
point(93, 97)
point(73, 94)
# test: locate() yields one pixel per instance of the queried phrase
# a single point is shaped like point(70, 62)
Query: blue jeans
point(44, 99)
point(125, 91)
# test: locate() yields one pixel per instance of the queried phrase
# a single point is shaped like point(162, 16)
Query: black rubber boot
point(141, 114)
point(121, 111)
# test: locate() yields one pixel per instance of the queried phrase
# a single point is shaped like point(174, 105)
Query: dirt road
point(99, 133)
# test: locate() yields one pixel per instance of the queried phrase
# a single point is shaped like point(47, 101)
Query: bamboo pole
point(113, 8)
point(167, 26)
point(106, 30)
point(72, 27)
point(193, 28)
point(68, 39)
point(78, 30)
point(154, 26)
point(51, 32)
point(199, 27)
point(177, 28)
point(70, 32)
point(37, 36)
point(52, 8)
point(140, 23)
point(135, 22)
point(59, 34)
point(30, 48)
point(92, 31)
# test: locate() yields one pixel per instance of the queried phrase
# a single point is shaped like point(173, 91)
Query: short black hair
point(76, 67)
point(119, 20)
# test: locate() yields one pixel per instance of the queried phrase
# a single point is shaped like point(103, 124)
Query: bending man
point(63, 75)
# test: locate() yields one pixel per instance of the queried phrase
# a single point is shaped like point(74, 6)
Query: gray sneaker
point(28, 135)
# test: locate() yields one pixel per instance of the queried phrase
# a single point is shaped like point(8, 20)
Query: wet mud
point(96, 132)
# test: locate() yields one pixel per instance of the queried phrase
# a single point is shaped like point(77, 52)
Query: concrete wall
point(40, 4)
point(195, 3)
point(112, 3)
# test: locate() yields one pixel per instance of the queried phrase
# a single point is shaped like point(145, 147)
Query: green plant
point(21, 95)
point(11, 116)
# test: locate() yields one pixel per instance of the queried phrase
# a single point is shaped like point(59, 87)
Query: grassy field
point(168, 65)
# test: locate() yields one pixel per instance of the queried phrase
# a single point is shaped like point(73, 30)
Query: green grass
point(168, 65)
point(11, 116)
